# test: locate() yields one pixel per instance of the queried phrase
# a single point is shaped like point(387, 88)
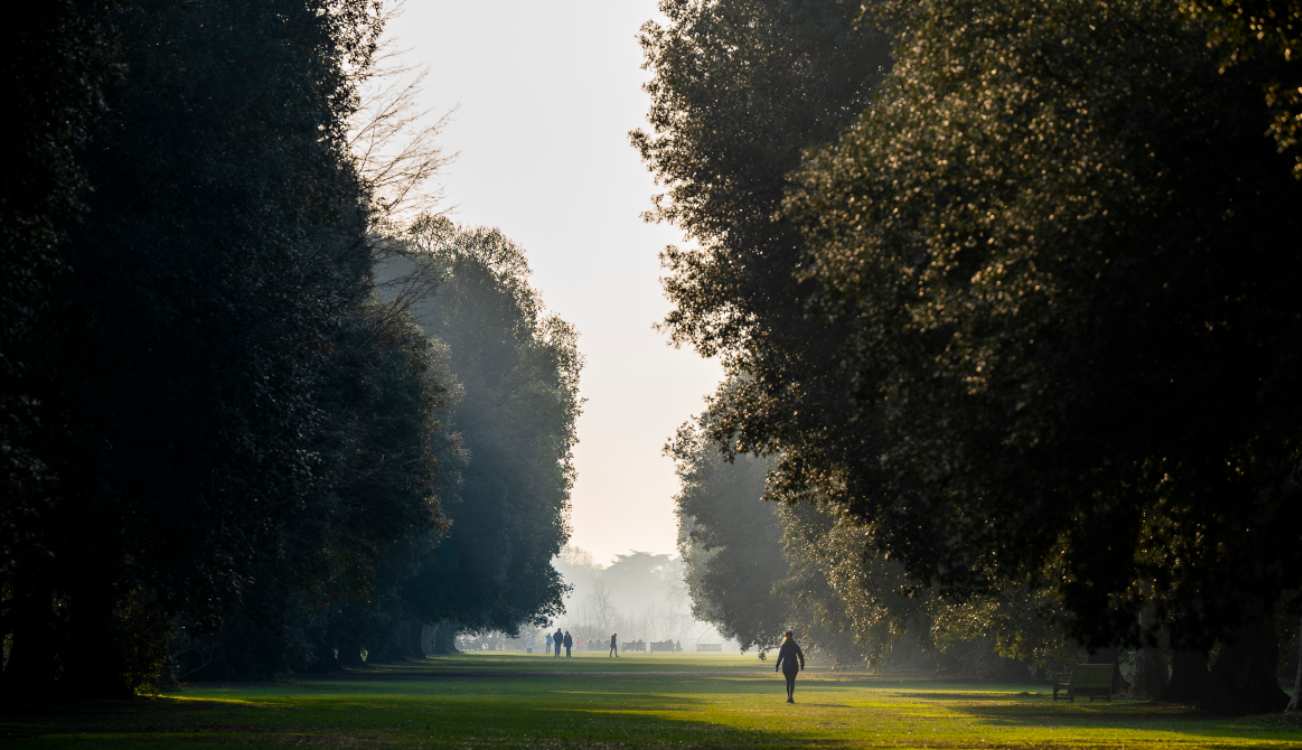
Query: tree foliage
point(729, 540)
point(1035, 325)
point(518, 369)
point(222, 454)
point(1265, 35)
point(757, 567)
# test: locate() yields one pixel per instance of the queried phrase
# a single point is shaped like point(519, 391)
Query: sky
point(542, 96)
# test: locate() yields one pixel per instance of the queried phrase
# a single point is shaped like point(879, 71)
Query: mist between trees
point(640, 597)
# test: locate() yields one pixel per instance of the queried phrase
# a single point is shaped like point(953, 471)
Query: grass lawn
point(537, 702)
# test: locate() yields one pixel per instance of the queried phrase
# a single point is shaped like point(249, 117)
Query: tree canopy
point(1036, 310)
point(225, 453)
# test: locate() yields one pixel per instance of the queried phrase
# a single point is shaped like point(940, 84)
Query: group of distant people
point(554, 642)
point(557, 640)
point(791, 660)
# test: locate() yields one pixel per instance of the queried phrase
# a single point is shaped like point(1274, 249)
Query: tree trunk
point(412, 644)
point(96, 648)
point(1245, 678)
point(402, 643)
point(445, 638)
point(1297, 678)
point(350, 654)
point(1190, 680)
point(427, 633)
point(32, 668)
point(1150, 663)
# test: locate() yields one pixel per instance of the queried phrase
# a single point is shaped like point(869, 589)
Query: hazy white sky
point(545, 94)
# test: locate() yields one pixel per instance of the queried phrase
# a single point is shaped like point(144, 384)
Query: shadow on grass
point(1185, 723)
point(588, 719)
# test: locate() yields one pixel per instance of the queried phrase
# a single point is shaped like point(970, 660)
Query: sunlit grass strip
point(527, 702)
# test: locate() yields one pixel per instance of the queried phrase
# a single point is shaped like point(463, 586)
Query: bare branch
point(394, 141)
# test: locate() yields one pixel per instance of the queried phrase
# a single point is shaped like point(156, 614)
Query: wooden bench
point(1086, 680)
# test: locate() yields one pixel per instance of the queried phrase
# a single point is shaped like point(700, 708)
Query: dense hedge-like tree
point(180, 354)
point(518, 370)
point(53, 61)
point(756, 567)
point(729, 541)
point(1071, 291)
point(1267, 36)
point(740, 87)
point(1037, 322)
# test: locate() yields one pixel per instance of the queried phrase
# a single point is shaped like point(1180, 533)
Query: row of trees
point(1007, 292)
point(226, 450)
point(757, 569)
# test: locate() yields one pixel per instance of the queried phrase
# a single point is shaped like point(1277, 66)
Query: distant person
point(614, 645)
point(548, 641)
point(788, 653)
point(557, 640)
point(569, 643)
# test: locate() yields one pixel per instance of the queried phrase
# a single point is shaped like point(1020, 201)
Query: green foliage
point(208, 429)
point(1036, 325)
point(730, 541)
point(740, 88)
point(1266, 37)
point(518, 371)
point(1069, 331)
point(756, 568)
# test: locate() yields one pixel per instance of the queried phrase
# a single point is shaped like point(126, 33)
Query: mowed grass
point(533, 701)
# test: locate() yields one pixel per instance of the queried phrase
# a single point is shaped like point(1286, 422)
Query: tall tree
point(1058, 243)
point(519, 371)
point(220, 247)
point(729, 540)
point(740, 88)
point(54, 61)
point(1035, 323)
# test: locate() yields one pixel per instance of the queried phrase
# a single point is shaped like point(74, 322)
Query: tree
point(221, 244)
point(1034, 326)
point(1263, 35)
point(519, 373)
point(1061, 267)
point(740, 88)
point(55, 68)
point(729, 540)
point(600, 609)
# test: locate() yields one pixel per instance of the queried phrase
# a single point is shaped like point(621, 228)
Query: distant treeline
point(226, 451)
point(1008, 297)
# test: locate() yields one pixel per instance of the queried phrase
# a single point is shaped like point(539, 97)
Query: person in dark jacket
point(614, 645)
point(569, 643)
point(556, 641)
point(788, 654)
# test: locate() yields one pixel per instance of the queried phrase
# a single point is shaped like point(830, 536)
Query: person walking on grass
point(556, 641)
point(548, 641)
point(569, 643)
point(614, 645)
point(788, 653)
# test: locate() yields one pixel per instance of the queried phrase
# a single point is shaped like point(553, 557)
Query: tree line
point(248, 422)
point(1006, 294)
